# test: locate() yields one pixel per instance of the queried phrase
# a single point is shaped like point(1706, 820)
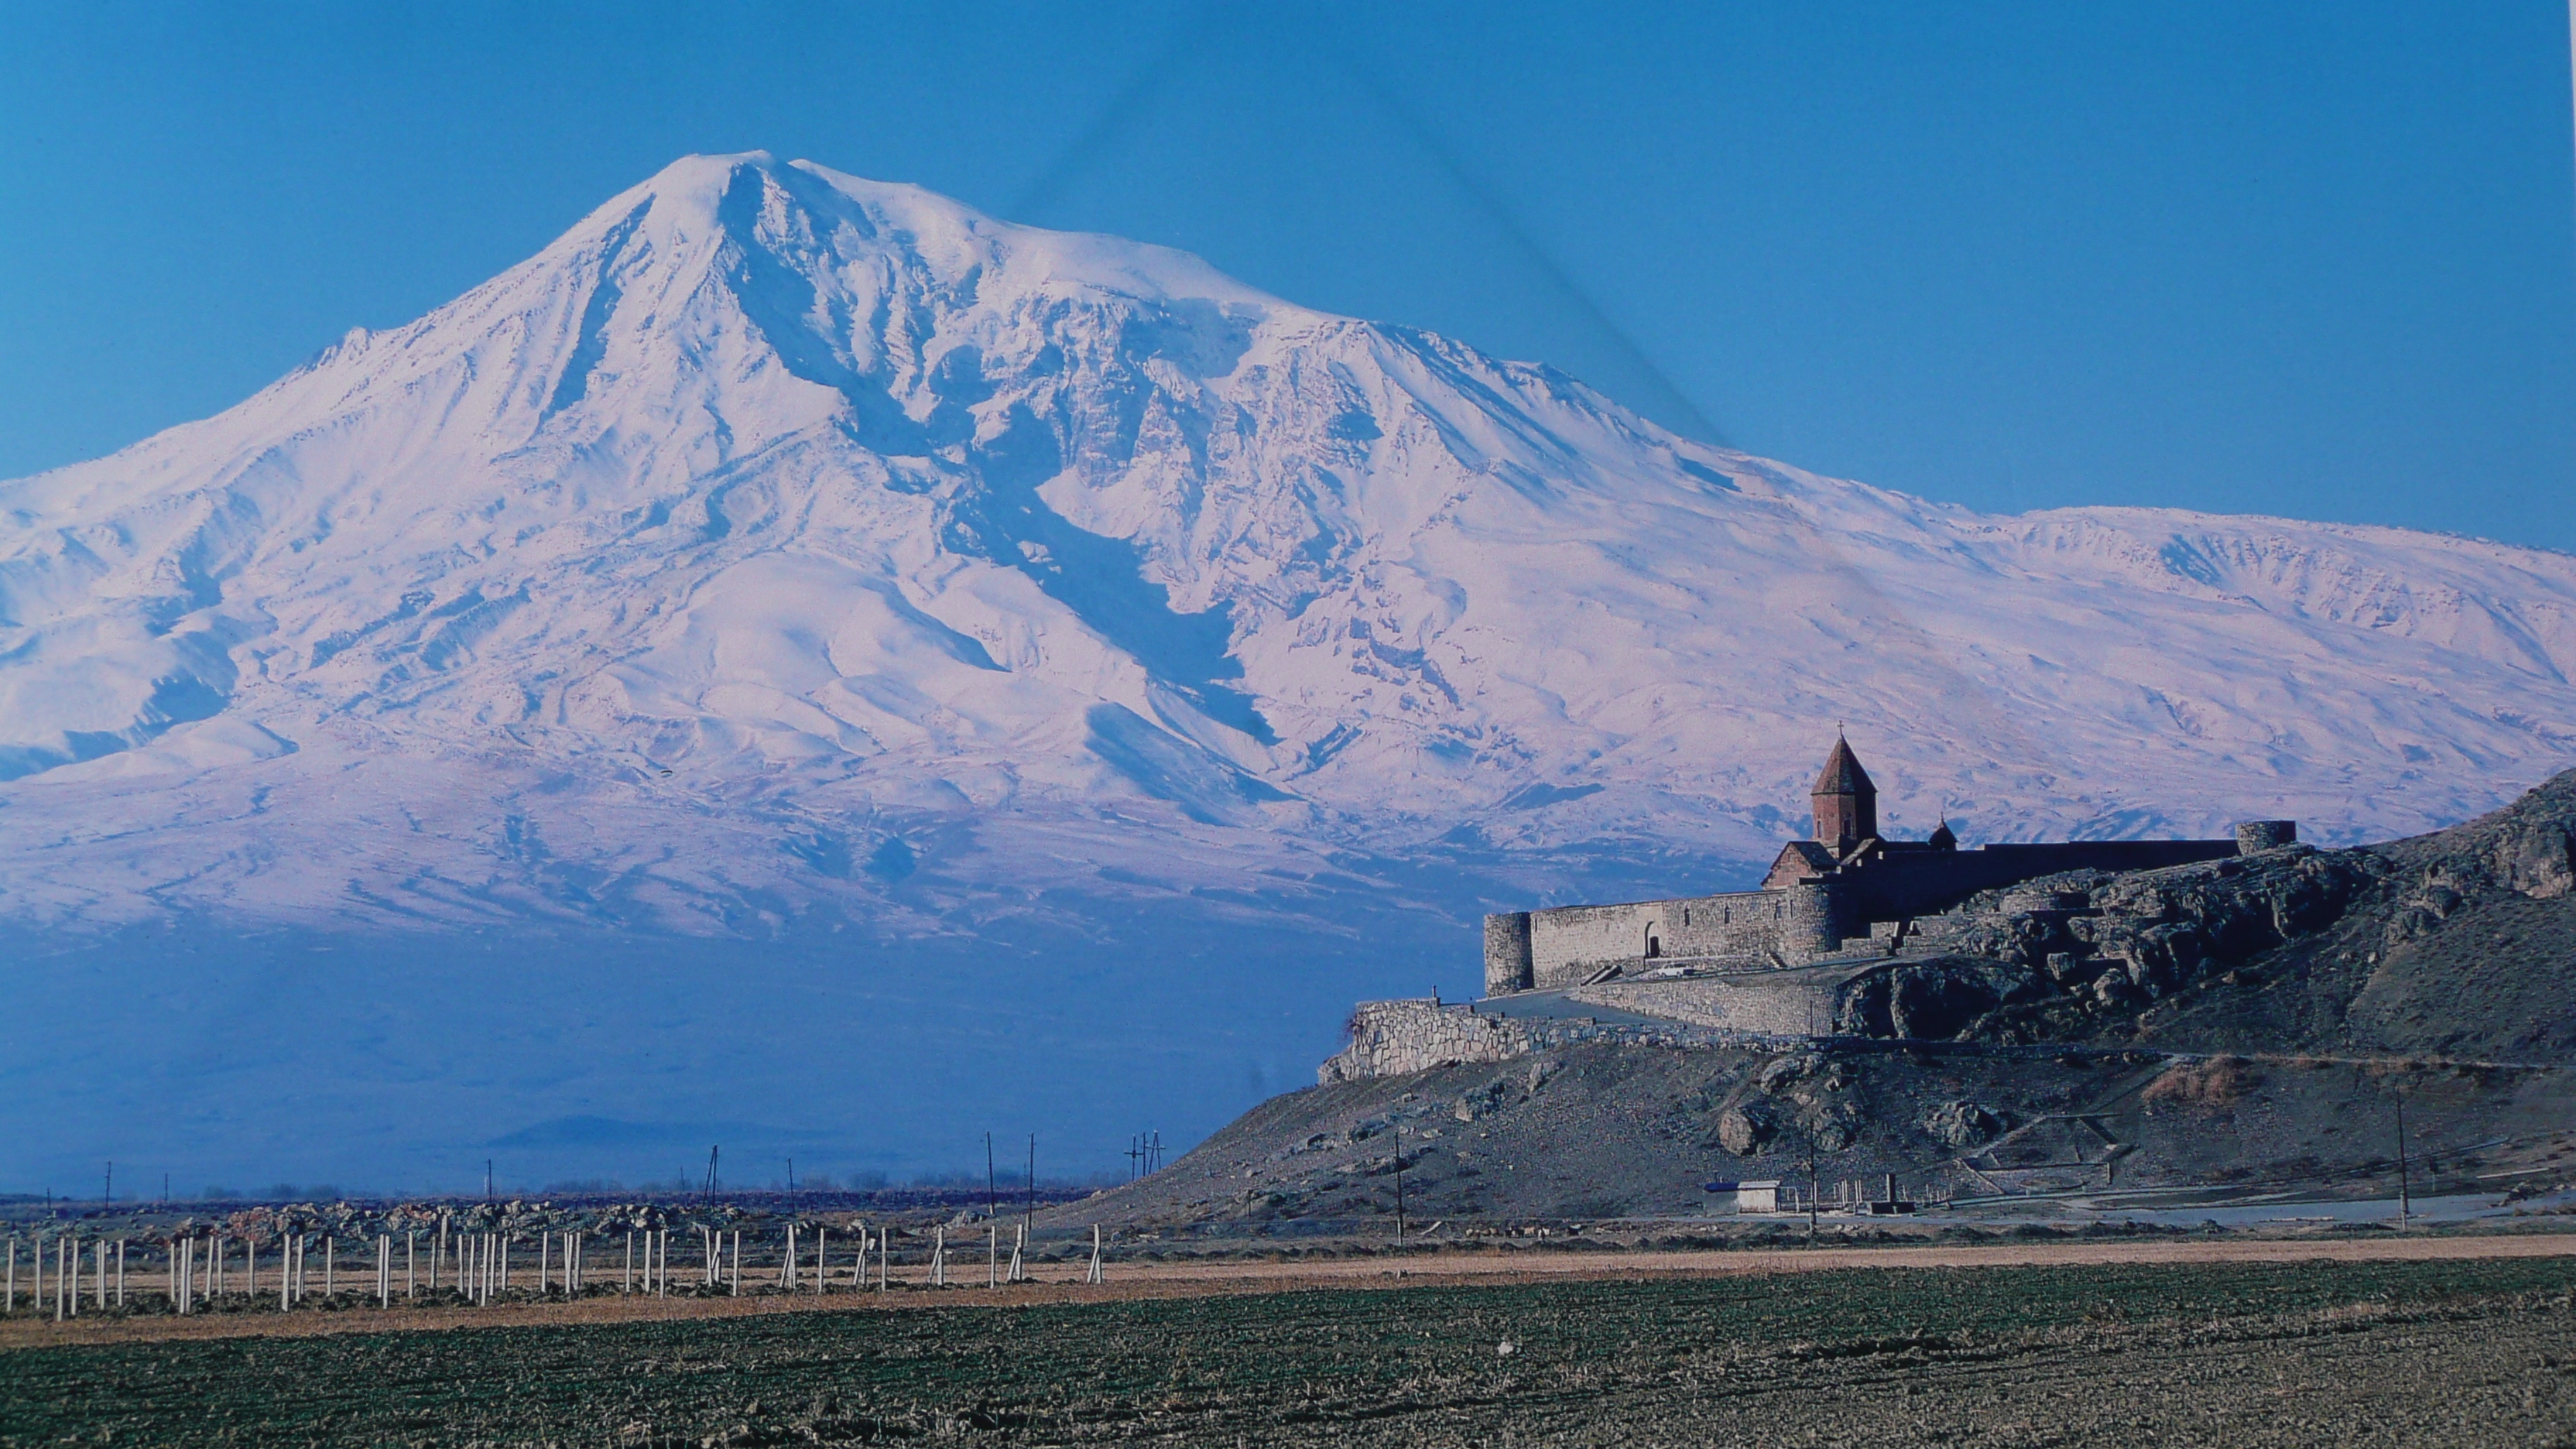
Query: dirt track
point(1148, 1280)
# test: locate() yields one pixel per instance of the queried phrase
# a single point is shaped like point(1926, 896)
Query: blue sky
point(2312, 259)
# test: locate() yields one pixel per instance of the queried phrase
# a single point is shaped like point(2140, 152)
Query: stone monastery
point(1849, 891)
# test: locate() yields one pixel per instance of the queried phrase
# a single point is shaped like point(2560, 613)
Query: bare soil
point(2433, 1348)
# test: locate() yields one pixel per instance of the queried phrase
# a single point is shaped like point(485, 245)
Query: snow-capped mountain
point(1096, 667)
point(775, 533)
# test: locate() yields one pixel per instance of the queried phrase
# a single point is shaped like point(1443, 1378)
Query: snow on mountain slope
point(777, 540)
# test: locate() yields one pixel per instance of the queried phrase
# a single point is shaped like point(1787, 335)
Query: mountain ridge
point(882, 530)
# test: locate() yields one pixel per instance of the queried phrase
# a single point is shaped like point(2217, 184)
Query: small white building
point(1746, 1197)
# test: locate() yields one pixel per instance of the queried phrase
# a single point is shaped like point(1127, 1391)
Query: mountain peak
point(774, 521)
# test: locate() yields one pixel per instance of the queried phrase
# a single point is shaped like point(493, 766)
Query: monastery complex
point(1847, 891)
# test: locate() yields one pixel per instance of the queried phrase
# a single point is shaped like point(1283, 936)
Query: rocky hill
point(2235, 1024)
point(2460, 943)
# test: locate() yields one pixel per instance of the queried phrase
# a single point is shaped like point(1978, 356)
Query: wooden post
point(250, 1252)
point(328, 1283)
point(11, 1302)
point(2402, 1202)
point(411, 1264)
point(992, 1253)
point(1019, 1242)
point(1094, 1275)
point(627, 1284)
point(822, 1258)
point(939, 1256)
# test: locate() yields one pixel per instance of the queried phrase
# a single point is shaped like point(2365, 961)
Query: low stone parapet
point(1393, 1038)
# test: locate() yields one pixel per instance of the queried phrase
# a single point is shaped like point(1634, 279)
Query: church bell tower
point(1846, 803)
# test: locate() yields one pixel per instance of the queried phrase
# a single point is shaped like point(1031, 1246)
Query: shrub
point(2209, 1086)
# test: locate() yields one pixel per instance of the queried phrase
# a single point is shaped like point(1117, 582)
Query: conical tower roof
point(1842, 774)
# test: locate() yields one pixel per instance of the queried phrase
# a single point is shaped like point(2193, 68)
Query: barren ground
point(2236, 1342)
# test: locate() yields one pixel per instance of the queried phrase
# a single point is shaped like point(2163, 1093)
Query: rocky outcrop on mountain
point(2462, 941)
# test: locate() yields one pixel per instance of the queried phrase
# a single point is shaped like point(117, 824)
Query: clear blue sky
point(2308, 259)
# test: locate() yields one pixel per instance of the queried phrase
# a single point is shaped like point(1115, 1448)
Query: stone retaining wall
point(1392, 1038)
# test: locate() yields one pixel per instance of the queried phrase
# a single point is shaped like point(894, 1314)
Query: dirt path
point(1147, 1280)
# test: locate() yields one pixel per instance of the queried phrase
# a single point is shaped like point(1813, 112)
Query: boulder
point(1744, 1130)
point(1961, 1124)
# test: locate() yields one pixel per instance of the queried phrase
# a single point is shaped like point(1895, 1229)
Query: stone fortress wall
point(1847, 889)
point(1744, 930)
point(1814, 952)
point(1743, 967)
point(1395, 1038)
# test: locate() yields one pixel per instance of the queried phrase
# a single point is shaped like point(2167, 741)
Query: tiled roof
point(1842, 774)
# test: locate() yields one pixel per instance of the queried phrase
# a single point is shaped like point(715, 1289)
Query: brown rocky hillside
point(2233, 1024)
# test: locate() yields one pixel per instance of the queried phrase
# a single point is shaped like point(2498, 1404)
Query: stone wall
point(1508, 965)
point(1570, 944)
point(1392, 1038)
point(1796, 1002)
point(1903, 887)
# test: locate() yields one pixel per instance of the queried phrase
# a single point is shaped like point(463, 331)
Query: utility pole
point(487, 1179)
point(1811, 1199)
point(791, 1175)
point(1029, 1213)
point(107, 1189)
point(712, 1154)
point(2402, 1204)
point(1399, 1186)
point(989, 1195)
